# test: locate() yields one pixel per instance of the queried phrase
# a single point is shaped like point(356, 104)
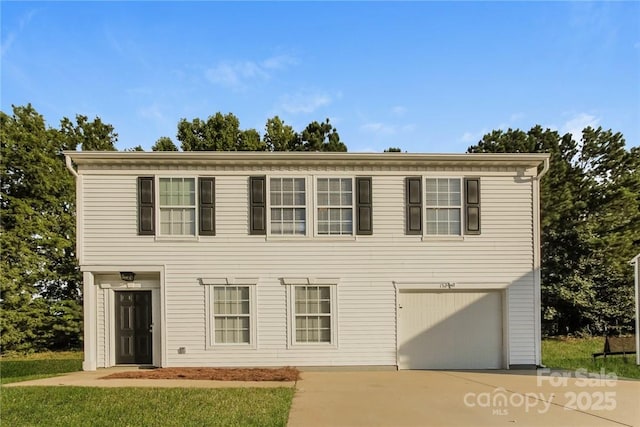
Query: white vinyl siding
point(444, 204)
point(177, 198)
point(335, 206)
point(365, 306)
point(287, 204)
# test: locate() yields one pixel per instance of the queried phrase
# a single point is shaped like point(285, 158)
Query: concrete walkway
point(447, 398)
point(424, 398)
point(94, 379)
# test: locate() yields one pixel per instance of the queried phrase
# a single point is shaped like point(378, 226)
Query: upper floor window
point(177, 206)
point(335, 206)
point(288, 211)
point(444, 205)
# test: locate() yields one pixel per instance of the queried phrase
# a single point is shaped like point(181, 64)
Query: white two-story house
point(409, 261)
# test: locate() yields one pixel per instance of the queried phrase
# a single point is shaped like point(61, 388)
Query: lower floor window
point(312, 314)
point(231, 313)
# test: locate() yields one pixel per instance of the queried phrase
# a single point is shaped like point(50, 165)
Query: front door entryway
point(133, 327)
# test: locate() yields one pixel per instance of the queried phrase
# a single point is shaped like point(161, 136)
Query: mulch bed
point(214, 374)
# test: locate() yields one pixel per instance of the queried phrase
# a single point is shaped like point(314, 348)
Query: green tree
point(250, 141)
point(164, 143)
point(40, 294)
point(218, 133)
point(393, 150)
point(321, 137)
point(589, 215)
point(88, 135)
point(281, 137)
point(136, 148)
point(39, 285)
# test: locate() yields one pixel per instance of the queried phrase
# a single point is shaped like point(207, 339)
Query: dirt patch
point(212, 374)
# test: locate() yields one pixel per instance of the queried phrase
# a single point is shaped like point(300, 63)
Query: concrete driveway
point(462, 398)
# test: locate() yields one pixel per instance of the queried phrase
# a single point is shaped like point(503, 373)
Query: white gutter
point(67, 161)
point(545, 169)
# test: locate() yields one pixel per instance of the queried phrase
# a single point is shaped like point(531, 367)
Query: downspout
point(545, 169)
point(537, 278)
point(67, 161)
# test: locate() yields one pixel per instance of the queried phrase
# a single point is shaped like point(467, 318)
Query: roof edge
point(88, 157)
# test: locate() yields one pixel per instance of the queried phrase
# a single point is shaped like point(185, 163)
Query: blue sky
point(423, 76)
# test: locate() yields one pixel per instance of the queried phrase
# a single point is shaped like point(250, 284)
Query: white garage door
point(449, 330)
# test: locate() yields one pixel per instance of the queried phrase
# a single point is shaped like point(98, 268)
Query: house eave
point(217, 158)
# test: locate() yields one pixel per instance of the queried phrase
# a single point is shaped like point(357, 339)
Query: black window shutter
point(257, 205)
point(364, 206)
point(146, 206)
point(472, 205)
point(207, 204)
point(413, 197)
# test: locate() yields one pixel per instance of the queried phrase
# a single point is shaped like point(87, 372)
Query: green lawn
point(576, 353)
point(88, 406)
point(39, 365)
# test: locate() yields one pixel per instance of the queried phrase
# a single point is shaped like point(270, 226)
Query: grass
point(576, 353)
point(16, 368)
point(88, 406)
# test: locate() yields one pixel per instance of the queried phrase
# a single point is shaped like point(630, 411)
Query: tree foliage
point(222, 133)
point(590, 220)
point(280, 137)
point(88, 135)
point(40, 284)
point(218, 133)
point(164, 143)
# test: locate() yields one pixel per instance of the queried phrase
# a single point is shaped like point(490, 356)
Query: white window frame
point(291, 285)
point(317, 206)
point(160, 207)
point(210, 284)
point(460, 208)
point(306, 208)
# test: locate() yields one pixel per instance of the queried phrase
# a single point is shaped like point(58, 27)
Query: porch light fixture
point(127, 276)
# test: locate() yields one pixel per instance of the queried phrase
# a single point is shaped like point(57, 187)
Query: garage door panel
point(450, 330)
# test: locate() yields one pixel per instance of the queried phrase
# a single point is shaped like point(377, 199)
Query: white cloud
point(473, 137)
point(376, 127)
point(577, 123)
point(476, 136)
point(238, 74)
point(386, 128)
point(150, 112)
point(399, 110)
point(304, 102)
point(279, 62)
point(515, 117)
point(6, 44)
point(235, 75)
point(467, 137)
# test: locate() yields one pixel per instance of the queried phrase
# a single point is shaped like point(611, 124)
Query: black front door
point(133, 327)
